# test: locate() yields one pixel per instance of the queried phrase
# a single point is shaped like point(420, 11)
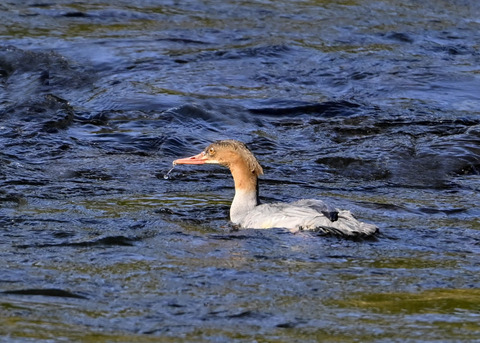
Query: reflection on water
point(372, 106)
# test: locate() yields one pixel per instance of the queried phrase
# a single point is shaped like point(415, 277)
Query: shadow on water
point(379, 116)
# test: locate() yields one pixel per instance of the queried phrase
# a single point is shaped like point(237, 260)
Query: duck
point(246, 210)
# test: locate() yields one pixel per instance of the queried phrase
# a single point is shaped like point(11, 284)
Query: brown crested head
point(230, 152)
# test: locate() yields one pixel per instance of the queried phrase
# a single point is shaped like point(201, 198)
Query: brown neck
point(245, 180)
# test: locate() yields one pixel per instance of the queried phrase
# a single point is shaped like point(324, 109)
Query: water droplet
point(166, 176)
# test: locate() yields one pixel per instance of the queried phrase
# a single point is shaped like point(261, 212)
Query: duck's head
point(229, 153)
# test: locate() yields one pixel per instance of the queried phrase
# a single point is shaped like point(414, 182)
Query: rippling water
point(371, 105)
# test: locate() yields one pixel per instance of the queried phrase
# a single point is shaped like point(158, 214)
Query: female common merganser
point(247, 212)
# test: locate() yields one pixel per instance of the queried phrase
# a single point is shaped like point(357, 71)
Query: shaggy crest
point(240, 148)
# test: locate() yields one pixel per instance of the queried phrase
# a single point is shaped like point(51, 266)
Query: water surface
point(373, 106)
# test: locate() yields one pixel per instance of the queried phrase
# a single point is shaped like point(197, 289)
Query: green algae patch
point(431, 301)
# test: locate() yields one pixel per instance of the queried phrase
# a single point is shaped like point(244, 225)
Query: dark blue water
point(373, 106)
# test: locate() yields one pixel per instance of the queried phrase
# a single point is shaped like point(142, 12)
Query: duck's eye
point(211, 151)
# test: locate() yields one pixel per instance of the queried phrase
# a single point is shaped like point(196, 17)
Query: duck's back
point(306, 215)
